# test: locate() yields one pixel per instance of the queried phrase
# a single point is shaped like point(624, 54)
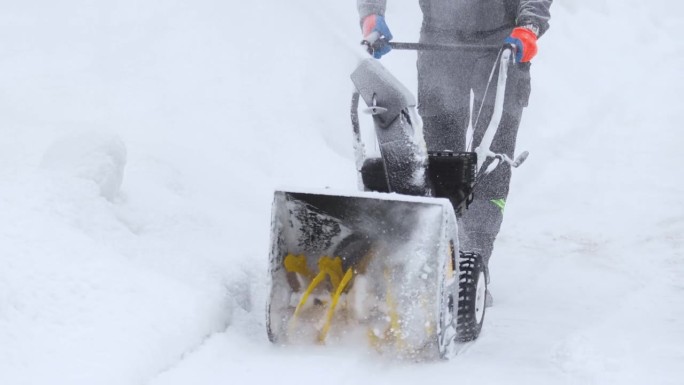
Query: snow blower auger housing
point(382, 266)
point(373, 267)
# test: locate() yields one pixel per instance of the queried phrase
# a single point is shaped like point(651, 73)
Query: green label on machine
point(500, 203)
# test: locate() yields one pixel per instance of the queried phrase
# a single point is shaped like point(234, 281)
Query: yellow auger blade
point(314, 283)
point(297, 264)
point(331, 311)
point(333, 268)
point(395, 325)
point(393, 333)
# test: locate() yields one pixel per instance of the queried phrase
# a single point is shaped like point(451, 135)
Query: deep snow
point(140, 143)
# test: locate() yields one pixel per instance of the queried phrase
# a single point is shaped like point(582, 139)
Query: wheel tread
point(470, 267)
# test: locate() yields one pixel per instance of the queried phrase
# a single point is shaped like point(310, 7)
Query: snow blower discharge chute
point(383, 266)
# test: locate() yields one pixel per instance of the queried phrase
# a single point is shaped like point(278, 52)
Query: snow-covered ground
point(140, 143)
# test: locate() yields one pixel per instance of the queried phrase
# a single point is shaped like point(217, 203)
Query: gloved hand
point(375, 30)
point(525, 41)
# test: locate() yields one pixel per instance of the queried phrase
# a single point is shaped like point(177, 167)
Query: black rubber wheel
point(472, 287)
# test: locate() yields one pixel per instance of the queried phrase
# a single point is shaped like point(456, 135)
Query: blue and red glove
point(525, 41)
point(375, 31)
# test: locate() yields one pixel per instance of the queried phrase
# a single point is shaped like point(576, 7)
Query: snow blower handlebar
point(440, 47)
point(374, 42)
point(484, 151)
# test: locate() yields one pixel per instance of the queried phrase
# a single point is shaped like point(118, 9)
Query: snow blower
point(382, 266)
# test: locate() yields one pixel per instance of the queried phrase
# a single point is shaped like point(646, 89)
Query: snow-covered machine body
point(382, 265)
point(367, 266)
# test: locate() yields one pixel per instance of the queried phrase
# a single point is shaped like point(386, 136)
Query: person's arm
point(533, 14)
point(372, 14)
point(371, 7)
point(533, 21)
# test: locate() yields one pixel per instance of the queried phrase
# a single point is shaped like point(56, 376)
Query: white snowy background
point(140, 143)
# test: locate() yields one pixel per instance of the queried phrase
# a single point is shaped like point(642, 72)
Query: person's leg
point(482, 221)
point(443, 99)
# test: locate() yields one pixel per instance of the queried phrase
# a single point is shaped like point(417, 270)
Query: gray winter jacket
point(473, 16)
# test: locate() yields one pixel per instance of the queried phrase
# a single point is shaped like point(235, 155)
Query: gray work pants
point(445, 82)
